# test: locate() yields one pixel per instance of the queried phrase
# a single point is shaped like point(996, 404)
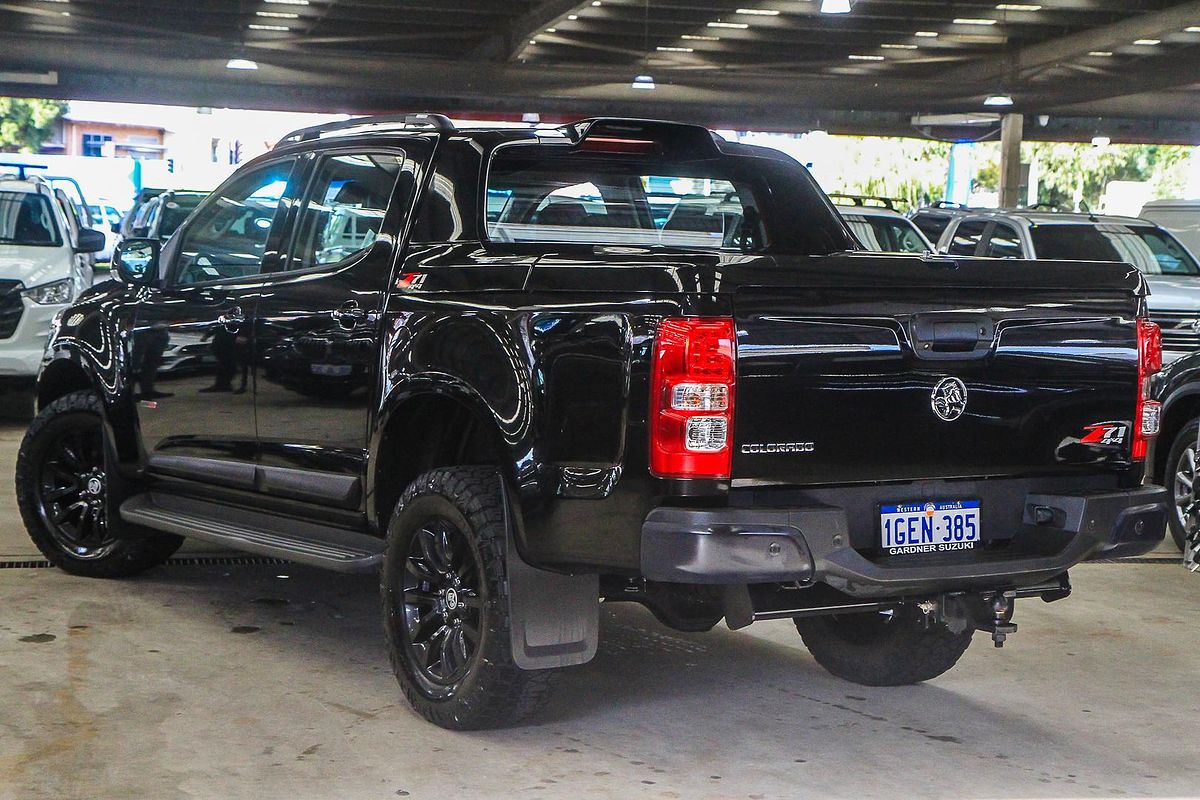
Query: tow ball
point(991, 612)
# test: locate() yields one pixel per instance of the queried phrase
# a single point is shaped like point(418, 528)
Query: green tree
point(26, 123)
point(1070, 173)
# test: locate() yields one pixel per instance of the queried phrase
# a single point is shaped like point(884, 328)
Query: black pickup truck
point(524, 371)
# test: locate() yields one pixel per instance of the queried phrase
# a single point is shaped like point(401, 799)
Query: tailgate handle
point(951, 336)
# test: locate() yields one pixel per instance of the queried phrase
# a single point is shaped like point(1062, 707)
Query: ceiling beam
point(507, 44)
point(1053, 52)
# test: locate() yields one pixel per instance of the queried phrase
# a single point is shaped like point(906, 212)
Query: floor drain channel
point(185, 561)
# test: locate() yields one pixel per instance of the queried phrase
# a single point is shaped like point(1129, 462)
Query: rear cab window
point(966, 237)
point(693, 194)
point(616, 201)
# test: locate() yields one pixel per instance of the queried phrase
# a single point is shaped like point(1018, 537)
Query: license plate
point(332, 370)
point(911, 528)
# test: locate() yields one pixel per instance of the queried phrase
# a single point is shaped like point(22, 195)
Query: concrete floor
point(259, 681)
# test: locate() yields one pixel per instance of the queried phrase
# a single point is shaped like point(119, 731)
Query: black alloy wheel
point(65, 491)
point(442, 605)
point(71, 490)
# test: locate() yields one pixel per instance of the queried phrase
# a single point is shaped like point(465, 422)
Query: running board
point(254, 532)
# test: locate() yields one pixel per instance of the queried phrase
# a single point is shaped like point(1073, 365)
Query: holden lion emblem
point(949, 399)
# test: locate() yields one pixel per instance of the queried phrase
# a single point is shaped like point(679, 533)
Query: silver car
point(1171, 271)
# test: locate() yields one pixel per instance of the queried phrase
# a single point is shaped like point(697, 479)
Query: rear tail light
point(1148, 412)
point(691, 398)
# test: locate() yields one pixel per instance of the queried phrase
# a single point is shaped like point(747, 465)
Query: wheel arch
point(60, 377)
point(439, 426)
point(1179, 411)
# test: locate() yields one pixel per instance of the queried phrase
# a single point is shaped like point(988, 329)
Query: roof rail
point(22, 169)
point(862, 200)
point(437, 122)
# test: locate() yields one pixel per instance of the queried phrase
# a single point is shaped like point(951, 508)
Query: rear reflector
point(1148, 412)
point(692, 396)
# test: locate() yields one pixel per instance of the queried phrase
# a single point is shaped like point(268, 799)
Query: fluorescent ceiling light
point(973, 21)
point(1100, 53)
point(643, 82)
point(1192, 29)
point(663, 49)
point(256, 27)
point(835, 6)
point(1017, 7)
point(1148, 42)
point(241, 63)
point(738, 25)
point(758, 12)
point(860, 57)
point(277, 14)
point(572, 16)
point(551, 30)
point(998, 100)
point(1101, 141)
point(926, 34)
point(287, 2)
point(693, 38)
point(898, 46)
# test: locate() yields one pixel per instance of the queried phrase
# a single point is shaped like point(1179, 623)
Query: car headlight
point(49, 294)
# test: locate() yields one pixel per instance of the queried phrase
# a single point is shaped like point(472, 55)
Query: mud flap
point(555, 618)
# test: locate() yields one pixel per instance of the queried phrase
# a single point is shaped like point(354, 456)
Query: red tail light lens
point(1148, 413)
point(691, 398)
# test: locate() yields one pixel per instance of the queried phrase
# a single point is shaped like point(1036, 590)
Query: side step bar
point(254, 532)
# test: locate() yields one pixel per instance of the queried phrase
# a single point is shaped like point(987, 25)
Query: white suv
point(45, 264)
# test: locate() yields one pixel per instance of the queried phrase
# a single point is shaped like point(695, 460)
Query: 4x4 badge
point(949, 399)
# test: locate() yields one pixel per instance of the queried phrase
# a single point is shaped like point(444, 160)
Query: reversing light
point(692, 398)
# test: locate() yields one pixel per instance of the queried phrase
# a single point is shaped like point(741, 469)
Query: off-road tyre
point(490, 690)
point(77, 416)
point(883, 649)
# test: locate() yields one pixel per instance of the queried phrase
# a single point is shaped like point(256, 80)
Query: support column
point(1012, 129)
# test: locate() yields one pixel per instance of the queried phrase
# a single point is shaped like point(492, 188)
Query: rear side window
point(344, 208)
point(27, 219)
point(966, 238)
point(591, 200)
point(886, 235)
point(932, 225)
point(1152, 250)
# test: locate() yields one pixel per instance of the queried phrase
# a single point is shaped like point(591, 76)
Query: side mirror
point(90, 240)
point(115, 227)
point(136, 261)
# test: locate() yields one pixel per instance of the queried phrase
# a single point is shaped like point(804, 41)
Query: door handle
point(348, 314)
point(232, 319)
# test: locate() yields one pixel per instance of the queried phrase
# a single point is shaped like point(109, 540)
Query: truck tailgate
point(860, 370)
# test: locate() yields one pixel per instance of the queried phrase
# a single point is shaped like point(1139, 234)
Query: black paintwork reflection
point(189, 358)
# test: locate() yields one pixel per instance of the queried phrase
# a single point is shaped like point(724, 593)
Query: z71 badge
point(1105, 434)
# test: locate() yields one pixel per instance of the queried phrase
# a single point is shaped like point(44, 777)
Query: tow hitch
point(992, 612)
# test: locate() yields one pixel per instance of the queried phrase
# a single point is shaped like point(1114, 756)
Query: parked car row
point(51, 238)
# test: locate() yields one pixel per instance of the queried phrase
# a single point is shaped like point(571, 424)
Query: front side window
point(1152, 250)
point(228, 238)
point(966, 237)
point(345, 206)
point(1004, 242)
point(886, 235)
point(27, 219)
point(590, 200)
point(174, 211)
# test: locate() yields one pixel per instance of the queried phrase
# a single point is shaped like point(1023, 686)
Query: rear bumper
point(812, 545)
